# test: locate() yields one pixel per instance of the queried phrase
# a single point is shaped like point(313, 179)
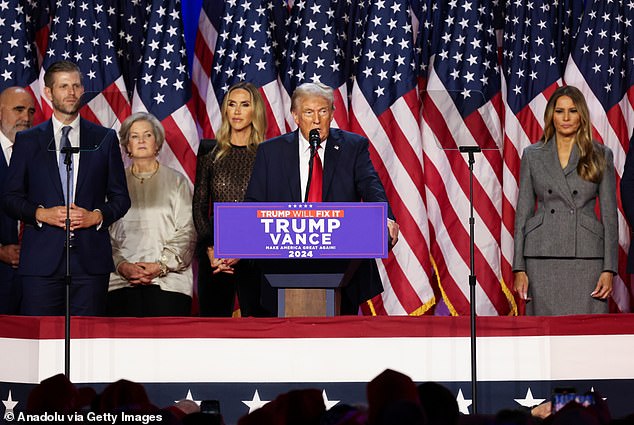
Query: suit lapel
point(331, 157)
point(9, 229)
point(3, 168)
point(573, 161)
point(3, 165)
point(552, 168)
point(291, 165)
point(87, 142)
point(51, 158)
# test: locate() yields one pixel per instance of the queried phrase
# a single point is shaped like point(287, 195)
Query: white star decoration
point(9, 404)
point(255, 403)
point(329, 403)
point(189, 396)
point(529, 401)
point(602, 398)
point(463, 404)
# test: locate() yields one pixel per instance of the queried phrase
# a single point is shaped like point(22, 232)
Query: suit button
point(574, 192)
point(550, 191)
point(572, 211)
point(552, 211)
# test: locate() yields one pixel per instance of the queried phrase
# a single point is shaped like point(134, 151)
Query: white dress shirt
point(7, 147)
point(73, 136)
point(7, 150)
point(304, 158)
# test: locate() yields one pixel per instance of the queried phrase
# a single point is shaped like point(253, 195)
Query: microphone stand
point(470, 150)
point(68, 152)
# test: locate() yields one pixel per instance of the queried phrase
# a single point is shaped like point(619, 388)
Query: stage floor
point(242, 362)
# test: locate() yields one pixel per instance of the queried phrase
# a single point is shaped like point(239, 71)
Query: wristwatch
point(164, 269)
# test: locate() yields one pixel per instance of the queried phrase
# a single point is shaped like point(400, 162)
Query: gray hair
point(157, 129)
point(313, 89)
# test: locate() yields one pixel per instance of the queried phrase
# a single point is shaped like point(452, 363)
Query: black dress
point(223, 180)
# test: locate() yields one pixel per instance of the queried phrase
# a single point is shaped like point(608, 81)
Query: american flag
point(462, 105)
point(426, 13)
point(464, 100)
point(18, 66)
point(207, 106)
point(128, 25)
point(39, 14)
point(532, 69)
point(385, 108)
point(18, 51)
point(236, 42)
point(38, 17)
point(163, 86)
point(566, 18)
point(315, 44)
point(79, 33)
point(601, 64)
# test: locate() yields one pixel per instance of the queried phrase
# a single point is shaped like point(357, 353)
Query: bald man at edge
point(16, 114)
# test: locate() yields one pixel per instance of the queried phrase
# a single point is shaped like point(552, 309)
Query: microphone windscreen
point(313, 137)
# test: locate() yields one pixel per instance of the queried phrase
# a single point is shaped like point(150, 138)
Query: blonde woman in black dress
point(222, 176)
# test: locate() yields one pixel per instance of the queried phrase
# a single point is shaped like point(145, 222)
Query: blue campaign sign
point(300, 230)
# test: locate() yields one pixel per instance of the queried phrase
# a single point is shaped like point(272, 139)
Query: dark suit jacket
point(33, 180)
point(627, 199)
point(8, 236)
point(349, 176)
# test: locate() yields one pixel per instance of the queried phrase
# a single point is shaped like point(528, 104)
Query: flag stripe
point(408, 279)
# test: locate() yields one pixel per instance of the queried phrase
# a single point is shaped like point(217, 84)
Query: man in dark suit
point(281, 168)
point(16, 114)
point(34, 192)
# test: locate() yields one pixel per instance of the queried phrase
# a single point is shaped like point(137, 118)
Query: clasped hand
point(80, 218)
point(10, 254)
point(140, 273)
point(221, 265)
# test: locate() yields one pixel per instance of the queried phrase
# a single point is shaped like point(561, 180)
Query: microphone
point(313, 139)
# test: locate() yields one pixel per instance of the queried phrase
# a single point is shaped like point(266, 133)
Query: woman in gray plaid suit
point(565, 256)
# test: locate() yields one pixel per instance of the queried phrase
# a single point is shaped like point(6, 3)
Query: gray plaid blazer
point(555, 214)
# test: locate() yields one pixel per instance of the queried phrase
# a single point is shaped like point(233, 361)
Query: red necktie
point(314, 193)
point(20, 231)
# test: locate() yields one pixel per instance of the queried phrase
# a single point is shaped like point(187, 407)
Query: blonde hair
point(591, 160)
point(258, 122)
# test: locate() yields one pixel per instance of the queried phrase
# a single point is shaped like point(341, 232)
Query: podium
point(307, 251)
point(308, 287)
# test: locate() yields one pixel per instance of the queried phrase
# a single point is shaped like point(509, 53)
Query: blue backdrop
point(191, 10)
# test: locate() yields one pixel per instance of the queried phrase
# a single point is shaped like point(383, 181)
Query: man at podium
point(340, 171)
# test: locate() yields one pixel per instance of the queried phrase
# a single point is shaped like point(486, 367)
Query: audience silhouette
point(392, 399)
